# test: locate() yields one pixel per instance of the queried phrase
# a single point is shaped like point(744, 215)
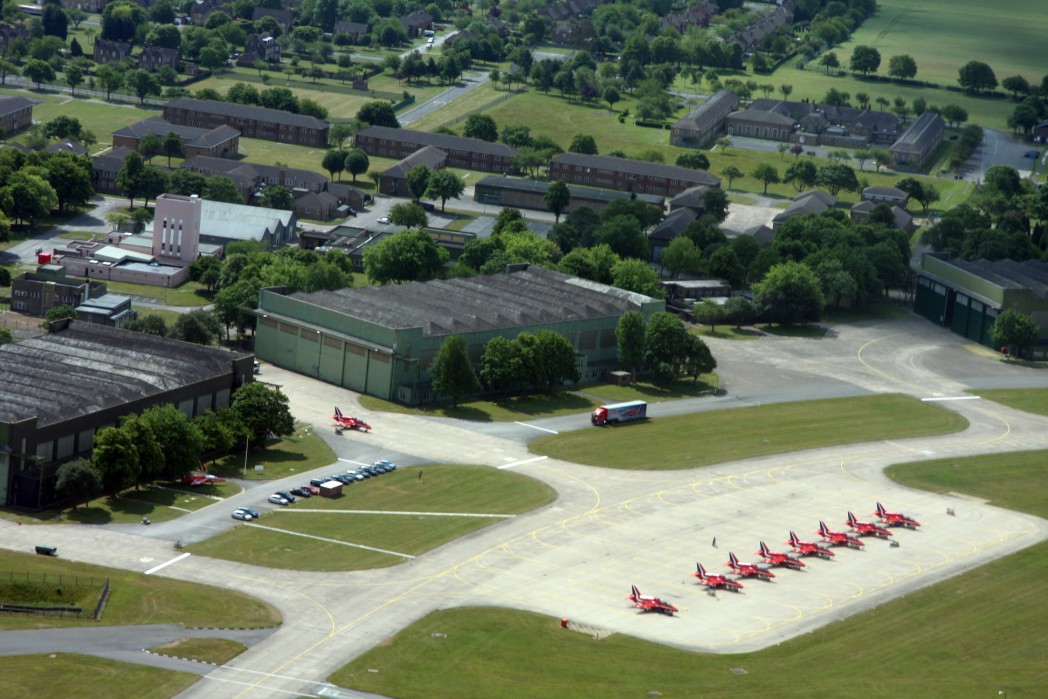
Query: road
point(92, 221)
point(609, 528)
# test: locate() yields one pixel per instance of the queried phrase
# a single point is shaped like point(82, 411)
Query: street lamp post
point(247, 439)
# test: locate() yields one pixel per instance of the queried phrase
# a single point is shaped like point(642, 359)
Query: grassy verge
point(218, 651)
point(444, 488)
point(58, 674)
point(158, 504)
point(689, 441)
point(301, 452)
point(188, 294)
point(726, 332)
point(793, 330)
point(976, 635)
point(1031, 400)
point(142, 599)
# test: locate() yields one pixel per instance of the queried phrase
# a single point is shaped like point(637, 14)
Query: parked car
point(311, 489)
point(301, 493)
point(286, 495)
point(278, 499)
point(319, 482)
point(384, 220)
point(247, 510)
point(1032, 154)
point(387, 465)
point(241, 515)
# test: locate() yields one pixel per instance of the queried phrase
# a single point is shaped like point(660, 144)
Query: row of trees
point(161, 443)
point(35, 184)
point(663, 344)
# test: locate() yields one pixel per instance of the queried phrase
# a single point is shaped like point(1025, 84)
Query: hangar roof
point(532, 296)
point(1009, 274)
point(86, 368)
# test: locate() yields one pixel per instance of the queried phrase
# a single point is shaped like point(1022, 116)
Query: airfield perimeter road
point(608, 528)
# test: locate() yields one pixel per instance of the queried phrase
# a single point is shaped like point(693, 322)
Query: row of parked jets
point(849, 539)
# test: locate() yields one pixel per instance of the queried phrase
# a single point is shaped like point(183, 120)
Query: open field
point(86, 677)
point(974, 635)
point(142, 599)
point(689, 441)
point(400, 523)
point(101, 118)
point(190, 293)
point(1032, 400)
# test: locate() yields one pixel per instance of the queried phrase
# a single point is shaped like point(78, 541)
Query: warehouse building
point(381, 340)
point(58, 390)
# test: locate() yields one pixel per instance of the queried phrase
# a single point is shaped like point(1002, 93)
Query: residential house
point(219, 142)
point(706, 121)
point(104, 169)
point(417, 22)
point(813, 201)
point(153, 58)
point(690, 198)
point(626, 175)
point(695, 16)
point(464, 153)
point(751, 37)
point(16, 113)
point(354, 30)
point(251, 121)
point(106, 51)
point(915, 148)
point(902, 219)
point(808, 123)
point(531, 194)
point(498, 25)
point(67, 147)
point(283, 17)
point(260, 47)
point(888, 195)
point(660, 237)
point(394, 180)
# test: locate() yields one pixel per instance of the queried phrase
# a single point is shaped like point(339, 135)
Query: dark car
point(344, 479)
point(286, 495)
point(319, 482)
point(248, 511)
point(301, 493)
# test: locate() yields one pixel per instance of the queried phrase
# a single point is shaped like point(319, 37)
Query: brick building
point(220, 142)
point(252, 122)
point(16, 113)
point(626, 175)
point(464, 153)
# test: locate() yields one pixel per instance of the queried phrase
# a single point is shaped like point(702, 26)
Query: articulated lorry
point(619, 412)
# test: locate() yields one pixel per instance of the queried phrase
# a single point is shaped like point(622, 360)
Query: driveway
point(999, 148)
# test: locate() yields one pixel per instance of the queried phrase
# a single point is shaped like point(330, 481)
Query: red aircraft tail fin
point(338, 413)
point(851, 518)
point(794, 541)
point(636, 593)
point(764, 549)
point(700, 571)
point(823, 529)
point(732, 560)
point(880, 510)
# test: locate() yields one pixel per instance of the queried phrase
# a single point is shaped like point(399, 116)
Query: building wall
point(251, 128)
point(615, 179)
point(459, 158)
point(176, 227)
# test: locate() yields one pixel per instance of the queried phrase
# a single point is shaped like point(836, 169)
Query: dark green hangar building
point(381, 340)
point(59, 389)
point(966, 296)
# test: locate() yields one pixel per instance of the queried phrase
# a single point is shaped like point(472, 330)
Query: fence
point(59, 581)
point(459, 119)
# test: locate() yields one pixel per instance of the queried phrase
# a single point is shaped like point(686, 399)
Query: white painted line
point(330, 541)
point(176, 559)
point(521, 463)
point(542, 429)
point(930, 400)
point(394, 512)
point(350, 461)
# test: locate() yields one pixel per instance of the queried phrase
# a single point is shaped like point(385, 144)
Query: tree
point(278, 197)
point(30, 196)
point(699, 359)
point(637, 276)
point(74, 76)
point(339, 133)
point(1015, 331)
point(410, 255)
point(78, 481)
point(629, 334)
point(682, 255)
point(502, 366)
point(786, 90)
point(865, 59)
point(172, 146)
point(444, 185)
point(143, 84)
point(6, 336)
point(150, 146)
point(611, 96)
point(976, 76)
point(151, 456)
point(801, 174)
point(334, 162)
point(829, 60)
point(739, 311)
point(199, 327)
point(38, 71)
point(731, 173)
point(1017, 85)
point(583, 143)
point(409, 215)
point(263, 412)
point(221, 431)
point(151, 324)
point(418, 181)
point(481, 126)
point(695, 161)
point(356, 163)
point(708, 312)
point(789, 293)
point(766, 173)
point(902, 67)
point(557, 198)
point(452, 372)
point(180, 441)
point(837, 177)
point(955, 115)
point(666, 344)
point(378, 114)
point(551, 359)
point(222, 188)
point(115, 459)
point(70, 178)
point(110, 77)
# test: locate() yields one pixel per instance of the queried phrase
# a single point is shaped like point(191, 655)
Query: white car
point(278, 499)
point(384, 220)
point(241, 515)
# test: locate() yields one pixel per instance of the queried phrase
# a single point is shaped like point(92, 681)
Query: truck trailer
point(619, 412)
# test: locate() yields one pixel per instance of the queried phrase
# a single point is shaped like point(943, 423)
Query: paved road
point(609, 528)
point(92, 221)
point(470, 81)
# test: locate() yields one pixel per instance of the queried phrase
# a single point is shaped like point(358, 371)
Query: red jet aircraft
point(779, 559)
point(896, 519)
point(810, 548)
point(748, 570)
point(715, 581)
point(649, 603)
point(838, 538)
point(867, 528)
point(353, 423)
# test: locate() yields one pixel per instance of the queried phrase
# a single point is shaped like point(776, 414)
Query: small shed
point(331, 489)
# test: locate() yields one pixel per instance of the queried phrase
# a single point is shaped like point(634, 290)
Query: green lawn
point(57, 675)
point(1032, 400)
point(101, 118)
point(156, 504)
point(189, 293)
point(142, 599)
point(444, 488)
point(299, 453)
point(980, 634)
point(689, 441)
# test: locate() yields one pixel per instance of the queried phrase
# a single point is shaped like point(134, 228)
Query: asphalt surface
point(608, 529)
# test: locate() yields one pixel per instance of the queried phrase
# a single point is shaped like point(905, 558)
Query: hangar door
point(931, 301)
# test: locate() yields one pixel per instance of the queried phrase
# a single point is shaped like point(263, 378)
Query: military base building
point(58, 390)
point(381, 340)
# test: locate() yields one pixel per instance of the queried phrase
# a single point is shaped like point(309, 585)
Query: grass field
point(444, 488)
point(301, 452)
point(189, 293)
point(689, 441)
point(217, 651)
point(86, 677)
point(1031, 400)
point(142, 599)
point(980, 634)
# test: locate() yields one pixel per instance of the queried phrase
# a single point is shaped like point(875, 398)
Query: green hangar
point(966, 296)
point(381, 340)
